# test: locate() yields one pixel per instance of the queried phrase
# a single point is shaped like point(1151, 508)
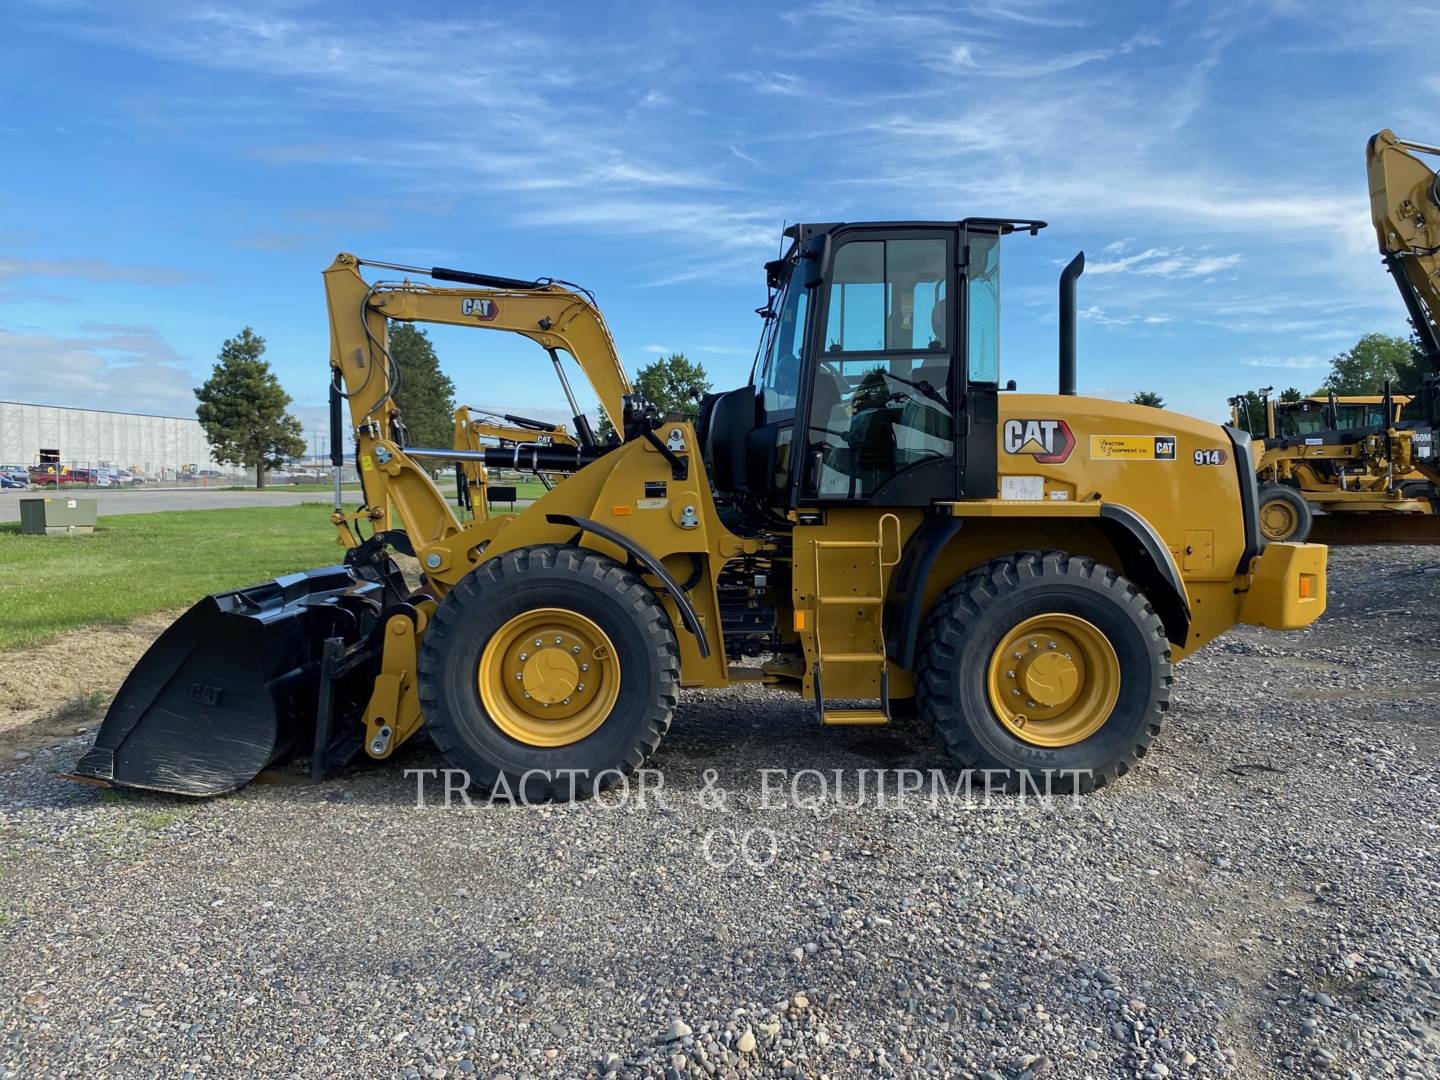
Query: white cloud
point(1098, 315)
point(93, 270)
point(1297, 363)
point(1162, 262)
point(103, 366)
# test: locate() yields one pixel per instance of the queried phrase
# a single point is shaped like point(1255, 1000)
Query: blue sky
point(172, 173)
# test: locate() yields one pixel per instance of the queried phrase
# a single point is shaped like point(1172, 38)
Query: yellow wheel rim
point(549, 677)
point(1278, 520)
point(1054, 680)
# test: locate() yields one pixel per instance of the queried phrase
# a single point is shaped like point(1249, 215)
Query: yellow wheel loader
point(875, 520)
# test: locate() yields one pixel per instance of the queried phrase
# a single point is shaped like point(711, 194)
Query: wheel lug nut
point(579, 688)
point(1031, 704)
point(559, 640)
point(1053, 645)
point(565, 702)
point(538, 643)
point(519, 675)
point(1033, 644)
point(1015, 693)
point(1010, 673)
point(527, 693)
point(524, 656)
point(584, 667)
point(576, 650)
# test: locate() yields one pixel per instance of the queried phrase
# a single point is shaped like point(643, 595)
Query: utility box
point(56, 515)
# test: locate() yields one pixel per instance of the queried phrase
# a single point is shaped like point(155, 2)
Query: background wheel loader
point(1370, 464)
point(874, 519)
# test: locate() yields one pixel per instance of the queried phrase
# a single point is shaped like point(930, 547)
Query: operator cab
point(877, 377)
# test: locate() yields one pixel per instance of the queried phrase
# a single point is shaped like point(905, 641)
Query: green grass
point(134, 564)
point(525, 489)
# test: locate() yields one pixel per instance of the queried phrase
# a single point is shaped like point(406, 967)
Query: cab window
point(780, 380)
point(881, 400)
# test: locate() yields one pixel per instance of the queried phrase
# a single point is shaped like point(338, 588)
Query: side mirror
point(1010, 384)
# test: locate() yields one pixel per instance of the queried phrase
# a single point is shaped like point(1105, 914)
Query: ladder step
point(853, 657)
point(851, 599)
point(840, 717)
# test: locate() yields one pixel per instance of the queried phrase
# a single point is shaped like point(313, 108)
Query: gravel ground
point(1258, 900)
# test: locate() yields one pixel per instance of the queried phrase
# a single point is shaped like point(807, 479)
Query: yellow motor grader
point(1340, 455)
point(875, 520)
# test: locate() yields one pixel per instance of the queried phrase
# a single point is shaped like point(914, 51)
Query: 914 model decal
point(1049, 442)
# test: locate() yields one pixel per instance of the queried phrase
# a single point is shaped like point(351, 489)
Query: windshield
point(784, 347)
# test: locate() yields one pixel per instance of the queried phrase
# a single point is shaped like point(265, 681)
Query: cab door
point(879, 409)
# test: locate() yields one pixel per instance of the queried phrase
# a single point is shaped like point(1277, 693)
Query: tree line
point(1362, 369)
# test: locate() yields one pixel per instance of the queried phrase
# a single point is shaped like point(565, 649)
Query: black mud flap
point(232, 686)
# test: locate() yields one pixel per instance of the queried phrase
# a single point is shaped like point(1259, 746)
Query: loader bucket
point(231, 687)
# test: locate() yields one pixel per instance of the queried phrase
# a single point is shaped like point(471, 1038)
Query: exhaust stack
point(1068, 277)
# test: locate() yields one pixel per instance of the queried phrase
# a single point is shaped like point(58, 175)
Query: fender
point(1147, 562)
point(1144, 559)
point(650, 564)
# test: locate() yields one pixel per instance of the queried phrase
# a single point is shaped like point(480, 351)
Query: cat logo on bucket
point(1049, 442)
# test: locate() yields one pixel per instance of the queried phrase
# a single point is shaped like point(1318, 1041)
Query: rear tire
point(1285, 516)
point(528, 720)
point(1107, 672)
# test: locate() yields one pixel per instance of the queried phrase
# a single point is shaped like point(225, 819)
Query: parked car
point(9, 483)
point(41, 476)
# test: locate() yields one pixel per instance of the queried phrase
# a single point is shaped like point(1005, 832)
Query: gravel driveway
point(1259, 899)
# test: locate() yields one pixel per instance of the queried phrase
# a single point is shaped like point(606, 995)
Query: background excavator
point(874, 520)
point(1371, 465)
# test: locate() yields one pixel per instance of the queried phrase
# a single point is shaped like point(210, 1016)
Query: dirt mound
point(48, 692)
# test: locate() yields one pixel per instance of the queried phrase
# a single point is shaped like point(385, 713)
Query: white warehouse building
point(152, 446)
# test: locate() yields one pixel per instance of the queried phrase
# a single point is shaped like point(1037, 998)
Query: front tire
point(1285, 516)
point(1047, 664)
point(549, 672)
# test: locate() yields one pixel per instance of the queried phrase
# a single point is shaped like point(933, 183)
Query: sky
point(171, 173)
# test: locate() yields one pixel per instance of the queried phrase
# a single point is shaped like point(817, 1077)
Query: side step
point(855, 717)
point(872, 656)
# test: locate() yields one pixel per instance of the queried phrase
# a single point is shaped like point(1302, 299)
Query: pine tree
point(426, 396)
point(242, 409)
